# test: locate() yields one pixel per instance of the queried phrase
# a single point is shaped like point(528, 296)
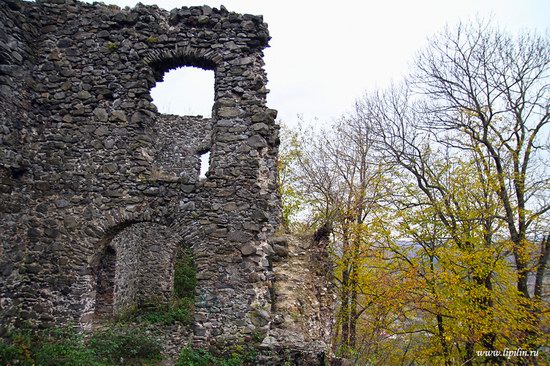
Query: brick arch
point(162, 60)
point(116, 220)
point(185, 158)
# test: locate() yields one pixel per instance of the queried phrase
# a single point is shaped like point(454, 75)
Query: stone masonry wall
point(91, 174)
point(144, 268)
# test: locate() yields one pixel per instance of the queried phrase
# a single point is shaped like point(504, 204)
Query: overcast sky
point(324, 55)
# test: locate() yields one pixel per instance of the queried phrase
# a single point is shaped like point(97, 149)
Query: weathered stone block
point(248, 249)
point(228, 112)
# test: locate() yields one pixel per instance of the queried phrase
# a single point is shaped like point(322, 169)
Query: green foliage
point(287, 179)
point(66, 354)
point(185, 276)
point(112, 46)
point(10, 353)
point(194, 357)
point(178, 311)
point(152, 39)
point(17, 348)
point(63, 347)
point(123, 346)
point(199, 357)
point(66, 347)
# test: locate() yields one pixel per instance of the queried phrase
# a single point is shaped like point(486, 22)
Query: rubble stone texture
point(98, 190)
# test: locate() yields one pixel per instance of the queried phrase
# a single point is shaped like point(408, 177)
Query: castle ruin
point(98, 190)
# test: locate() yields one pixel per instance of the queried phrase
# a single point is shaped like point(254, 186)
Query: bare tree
point(479, 92)
point(493, 92)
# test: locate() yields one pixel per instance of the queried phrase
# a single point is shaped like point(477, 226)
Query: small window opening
point(185, 91)
point(205, 164)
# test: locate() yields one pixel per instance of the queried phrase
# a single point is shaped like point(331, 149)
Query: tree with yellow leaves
point(436, 194)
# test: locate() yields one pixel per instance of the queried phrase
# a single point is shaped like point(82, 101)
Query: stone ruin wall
point(98, 190)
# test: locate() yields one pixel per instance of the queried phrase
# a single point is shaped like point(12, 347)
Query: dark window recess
point(105, 291)
point(18, 173)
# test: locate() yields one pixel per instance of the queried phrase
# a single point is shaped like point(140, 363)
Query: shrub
point(10, 355)
point(179, 311)
point(65, 347)
point(199, 357)
point(62, 347)
point(185, 276)
point(125, 347)
point(194, 357)
point(66, 354)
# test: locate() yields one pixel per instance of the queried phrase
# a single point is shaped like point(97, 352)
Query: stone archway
point(134, 268)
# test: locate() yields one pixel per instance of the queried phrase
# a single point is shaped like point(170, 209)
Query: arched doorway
point(135, 269)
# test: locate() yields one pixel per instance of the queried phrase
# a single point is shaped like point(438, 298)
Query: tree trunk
point(541, 266)
point(345, 296)
point(444, 344)
point(353, 315)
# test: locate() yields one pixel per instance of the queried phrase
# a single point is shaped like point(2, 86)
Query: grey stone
point(280, 250)
point(109, 143)
point(261, 128)
point(228, 112)
point(101, 114)
point(102, 131)
point(103, 34)
point(254, 277)
point(62, 203)
point(139, 118)
point(239, 236)
point(118, 115)
point(268, 342)
point(279, 240)
point(65, 42)
point(33, 232)
point(84, 95)
point(248, 249)
point(70, 222)
point(257, 141)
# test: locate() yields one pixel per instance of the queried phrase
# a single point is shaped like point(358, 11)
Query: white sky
point(323, 57)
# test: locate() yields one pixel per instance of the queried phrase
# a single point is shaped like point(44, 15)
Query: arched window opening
point(185, 91)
